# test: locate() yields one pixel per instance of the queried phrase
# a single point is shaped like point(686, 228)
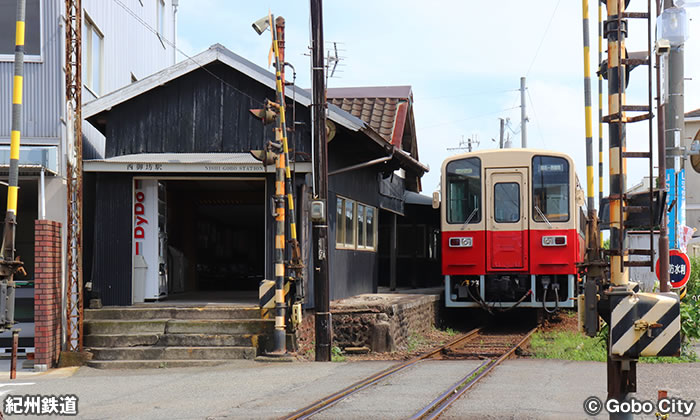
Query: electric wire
point(537, 121)
point(544, 35)
point(466, 119)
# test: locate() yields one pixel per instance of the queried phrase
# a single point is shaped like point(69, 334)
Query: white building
point(122, 41)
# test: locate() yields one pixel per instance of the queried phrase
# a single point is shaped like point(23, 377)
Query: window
point(506, 202)
point(32, 28)
point(550, 189)
point(464, 191)
point(355, 226)
point(92, 57)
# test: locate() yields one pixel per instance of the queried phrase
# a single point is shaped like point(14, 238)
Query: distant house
point(188, 210)
point(121, 42)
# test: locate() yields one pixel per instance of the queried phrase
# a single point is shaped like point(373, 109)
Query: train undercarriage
point(511, 290)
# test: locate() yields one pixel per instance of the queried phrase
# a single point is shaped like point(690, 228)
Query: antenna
point(466, 144)
point(333, 59)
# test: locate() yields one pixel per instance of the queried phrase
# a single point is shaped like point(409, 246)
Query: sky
point(464, 61)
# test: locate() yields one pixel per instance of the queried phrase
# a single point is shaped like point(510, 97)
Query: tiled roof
point(693, 114)
point(379, 113)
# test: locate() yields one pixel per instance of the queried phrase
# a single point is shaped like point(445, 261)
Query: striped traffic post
point(280, 305)
point(9, 265)
point(590, 189)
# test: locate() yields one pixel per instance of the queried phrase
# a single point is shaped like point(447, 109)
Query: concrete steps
point(155, 337)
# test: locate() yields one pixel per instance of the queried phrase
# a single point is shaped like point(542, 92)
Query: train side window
point(550, 189)
point(506, 202)
point(463, 190)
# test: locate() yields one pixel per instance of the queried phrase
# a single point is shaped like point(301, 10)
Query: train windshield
point(550, 189)
point(463, 181)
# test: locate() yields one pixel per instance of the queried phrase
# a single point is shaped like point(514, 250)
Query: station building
point(176, 206)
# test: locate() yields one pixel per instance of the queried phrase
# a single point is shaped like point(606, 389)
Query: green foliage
point(450, 332)
point(337, 354)
point(414, 341)
point(567, 345)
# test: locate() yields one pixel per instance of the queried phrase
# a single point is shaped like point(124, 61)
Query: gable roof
point(216, 52)
point(695, 114)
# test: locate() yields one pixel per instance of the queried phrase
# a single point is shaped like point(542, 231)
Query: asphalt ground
point(518, 389)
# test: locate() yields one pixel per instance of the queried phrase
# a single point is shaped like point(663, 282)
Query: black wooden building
point(174, 203)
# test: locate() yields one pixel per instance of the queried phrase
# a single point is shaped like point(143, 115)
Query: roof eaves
point(214, 53)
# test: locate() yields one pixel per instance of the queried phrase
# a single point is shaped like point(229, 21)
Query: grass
point(566, 345)
point(569, 345)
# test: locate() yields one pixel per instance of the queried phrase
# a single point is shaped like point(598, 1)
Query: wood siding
point(201, 112)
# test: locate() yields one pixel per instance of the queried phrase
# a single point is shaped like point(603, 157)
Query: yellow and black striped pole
point(280, 305)
point(621, 373)
point(600, 111)
point(616, 32)
point(9, 265)
point(600, 106)
point(590, 189)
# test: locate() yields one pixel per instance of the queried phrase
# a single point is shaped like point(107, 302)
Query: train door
point(507, 221)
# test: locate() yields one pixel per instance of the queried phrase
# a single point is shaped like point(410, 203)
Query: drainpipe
point(175, 3)
point(42, 193)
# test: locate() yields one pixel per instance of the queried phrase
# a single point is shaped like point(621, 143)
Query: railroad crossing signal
point(679, 268)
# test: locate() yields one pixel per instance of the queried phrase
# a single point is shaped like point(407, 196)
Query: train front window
point(506, 202)
point(550, 189)
point(463, 182)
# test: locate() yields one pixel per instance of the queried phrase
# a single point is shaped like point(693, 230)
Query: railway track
point(490, 347)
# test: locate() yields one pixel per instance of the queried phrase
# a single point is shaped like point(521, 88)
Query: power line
point(537, 120)
point(544, 35)
point(172, 44)
point(467, 119)
point(468, 94)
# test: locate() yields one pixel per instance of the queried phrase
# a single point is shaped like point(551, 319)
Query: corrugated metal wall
point(43, 84)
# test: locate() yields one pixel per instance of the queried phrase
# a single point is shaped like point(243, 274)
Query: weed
point(337, 354)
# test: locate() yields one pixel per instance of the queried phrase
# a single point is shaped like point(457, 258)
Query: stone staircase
point(157, 337)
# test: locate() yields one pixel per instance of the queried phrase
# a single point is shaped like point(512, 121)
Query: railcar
point(512, 229)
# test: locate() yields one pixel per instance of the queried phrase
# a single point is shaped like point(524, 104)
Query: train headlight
point(461, 242)
point(554, 240)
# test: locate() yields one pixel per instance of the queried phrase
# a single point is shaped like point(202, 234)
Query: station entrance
point(209, 241)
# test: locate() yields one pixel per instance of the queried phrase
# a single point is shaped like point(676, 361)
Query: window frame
point(341, 233)
point(478, 216)
point(30, 58)
point(519, 206)
point(89, 28)
point(535, 215)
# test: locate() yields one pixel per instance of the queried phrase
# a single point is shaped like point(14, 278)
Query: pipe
point(361, 165)
point(42, 194)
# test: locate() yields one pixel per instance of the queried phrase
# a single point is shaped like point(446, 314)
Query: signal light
point(553, 240)
point(460, 242)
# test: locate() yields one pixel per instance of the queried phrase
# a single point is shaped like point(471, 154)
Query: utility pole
point(674, 136)
point(523, 115)
point(500, 141)
point(320, 204)
point(664, 275)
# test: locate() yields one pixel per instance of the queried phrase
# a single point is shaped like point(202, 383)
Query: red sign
point(678, 268)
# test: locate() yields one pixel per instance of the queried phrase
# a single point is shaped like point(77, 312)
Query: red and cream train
point(512, 229)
